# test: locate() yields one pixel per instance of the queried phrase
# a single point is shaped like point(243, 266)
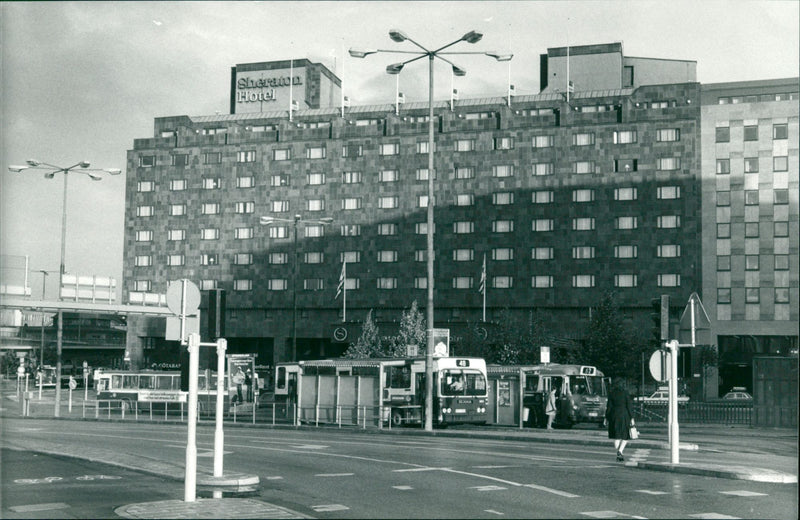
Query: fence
point(697, 413)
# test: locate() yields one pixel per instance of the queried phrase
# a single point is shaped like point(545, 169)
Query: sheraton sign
point(254, 90)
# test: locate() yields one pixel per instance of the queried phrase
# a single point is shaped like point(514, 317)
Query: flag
point(346, 101)
point(570, 87)
point(511, 89)
point(455, 93)
point(342, 277)
point(482, 285)
point(295, 105)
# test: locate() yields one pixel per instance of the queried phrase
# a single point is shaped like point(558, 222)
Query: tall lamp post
point(41, 347)
point(395, 68)
point(297, 219)
point(50, 170)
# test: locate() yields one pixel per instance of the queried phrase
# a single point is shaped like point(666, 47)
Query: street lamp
point(267, 221)
point(50, 170)
point(395, 68)
point(41, 348)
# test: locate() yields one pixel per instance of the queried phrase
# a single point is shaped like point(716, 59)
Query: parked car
point(737, 393)
point(661, 396)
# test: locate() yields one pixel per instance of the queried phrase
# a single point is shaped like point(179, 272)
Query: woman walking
point(619, 417)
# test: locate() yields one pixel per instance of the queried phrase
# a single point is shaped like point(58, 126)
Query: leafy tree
point(516, 339)
point(368, 344)
point(412, 332)
point(611, 345)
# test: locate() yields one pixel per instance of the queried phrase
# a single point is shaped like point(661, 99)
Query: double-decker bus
point(152, 386)
point(459, 386)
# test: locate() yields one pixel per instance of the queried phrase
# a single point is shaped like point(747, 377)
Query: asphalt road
point(332, 474)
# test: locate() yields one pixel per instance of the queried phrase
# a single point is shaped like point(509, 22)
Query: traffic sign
point(183, 296)
point(72, 383)
point(660, 366)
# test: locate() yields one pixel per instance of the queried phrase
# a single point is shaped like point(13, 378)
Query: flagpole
point(341, 84)
point(567, 60)
point(397, 94)
point(344, 292)
point(483, 279)
point(291, 73)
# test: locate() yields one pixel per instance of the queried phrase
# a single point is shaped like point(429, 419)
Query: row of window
point(458, 282)
point(753, 295)
point(735, 100)
point(752, 197)
point(779, 131)
point(751, 165)
point(753, 262)
point(753, 229)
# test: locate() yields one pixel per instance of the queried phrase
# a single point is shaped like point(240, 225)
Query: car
point(737, 393)
point(661, 397)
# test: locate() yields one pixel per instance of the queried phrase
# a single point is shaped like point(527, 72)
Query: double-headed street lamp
point(50, 170)
point(267, 221)
point(395, 68)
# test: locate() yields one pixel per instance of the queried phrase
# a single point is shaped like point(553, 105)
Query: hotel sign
point(257, 91)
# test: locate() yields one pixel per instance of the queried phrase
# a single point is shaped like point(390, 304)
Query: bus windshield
point(463, 383)
point(588, 385)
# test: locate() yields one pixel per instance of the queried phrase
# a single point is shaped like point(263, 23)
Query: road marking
point(334, 474)
point(414, 469)
point(551, 490)
point(211, 453)
point(403, 488)
point(326, 508)
point(494, 467)
point(494, 512)
point(489, 488)
point(608, 514)
point(274, 478)
point(39, 507)
point(714, 516)
point(744, 493)
point(309, 446)
point(649, 492)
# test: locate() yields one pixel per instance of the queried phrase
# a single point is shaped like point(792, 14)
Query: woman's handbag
point(633, 432)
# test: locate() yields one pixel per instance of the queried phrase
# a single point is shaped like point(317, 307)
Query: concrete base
point(228, 480)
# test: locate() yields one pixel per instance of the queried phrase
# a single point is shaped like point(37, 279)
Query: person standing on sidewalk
point(619, 417)
point(550, 407)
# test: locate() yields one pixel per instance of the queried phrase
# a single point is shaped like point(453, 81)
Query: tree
point(412, 332)
point(516, 339)
point(368, 344)
point(610, 345)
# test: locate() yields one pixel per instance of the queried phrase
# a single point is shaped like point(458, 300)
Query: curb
point(228, 480)
point(709, 470)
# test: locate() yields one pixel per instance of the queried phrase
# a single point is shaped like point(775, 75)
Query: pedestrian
point(550, 407)
point(248, 383)
point(619, 417)
point(238, 380)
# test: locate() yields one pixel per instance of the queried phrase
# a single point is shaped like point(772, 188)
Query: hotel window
point(278, 258)
point(315, 152)
point(583, 167)
point(503, 198)
point(669, 221)
point(351, 177)
point(278, 231)
point(669, 280)
point(279, 206)
point(143, 261)
point(751, 133)
point(421, 228)
point(582, 252)
point(212, 157)
point(723, 230)
point(542, 224)
point(262, 128)
point(583, 280)
point(352, 150)
point(314, 257)
point(751, 198)
point(351, 257)
point(463, 255)
point(244, 207)
point(502, 282)
point(502, 254)
point(723, 198)
point(420, 255)
point(629, 193)
point(625, 137)
point(210, 208)
point(352, 284)
point(141, 285)
point(625, 280)
point(751, 165)
point(279, 180)
point(463, 227)
point(723, 296)
point(541, 169)
point(668, 192)
point(422, 201)
point(387, 283)
point(390, 202)
point(465, 199)
point(387, 229)
point(465, 173)
point(478, 115)
point(503, 143)
point(543, 141)
point(313, 284)
point(723, 134)
point(626, 223)
point(315, 179)
point(174, 260)
point(780, 131)
point(781, 262)
point(751, 229)
point(144, 211)
point(315, 205)
point(422, 146)
point(542, 197)
point(244, 233)
point(583, 139)
point(353, 230)
point(243, 259)
point(542, 253)
point(422, 174)
point(177, 184)
point(176, 235)
point(179, 159)
point(723, 262)
point(583, 224)
point(210, 183)
point(626, 251)
point(207, 285)
point(314, 230)
point(209, 234)
point(584, 195)
point(213, 131)
point(541, 282)
point(668, 163)
point(502, 226)
point(387, 176)
point(389, 149)
point(462, 282)
point(723, 166)
point(781, 295)
point(751, 294)
point(465, 145)
point(626, 165)
point(277, 284)
point(668, 251)
point(506, 170)
point(147, 161)
point(282, 154)
point(781, 229)
point(751, 262)
point(368, 122)
point(780, 164)
point(246, 156)
point(245, 182)
point(666, 135)
point(145, 186)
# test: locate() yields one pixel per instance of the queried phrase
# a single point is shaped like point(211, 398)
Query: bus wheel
point(397, 418)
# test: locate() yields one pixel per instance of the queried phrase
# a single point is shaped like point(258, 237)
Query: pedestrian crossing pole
point(190, 479)
point(674, 429)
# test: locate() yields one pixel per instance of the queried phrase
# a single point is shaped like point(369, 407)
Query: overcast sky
point(82, 80)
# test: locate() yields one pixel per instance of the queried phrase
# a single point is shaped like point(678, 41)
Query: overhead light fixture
point(472, 37)
point(398, 36)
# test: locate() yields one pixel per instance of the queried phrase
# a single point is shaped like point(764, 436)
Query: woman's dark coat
point(618, 414)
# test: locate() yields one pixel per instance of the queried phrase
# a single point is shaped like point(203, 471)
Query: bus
point(153, 386)
point(459, 391)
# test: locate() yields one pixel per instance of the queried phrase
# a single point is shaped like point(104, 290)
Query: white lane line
point(608, 514)
point(52, 506)
point(326, 508)
point(551, 490)
point(714, 516)
point(309, 446)
point(492, 511)
point(743, 493)
point(334, 474)
point(495, 467)
point(211, 453)
point(650, 492)
point(403, 488)
point(414, 469)
point(274, 478)
point(489, 488)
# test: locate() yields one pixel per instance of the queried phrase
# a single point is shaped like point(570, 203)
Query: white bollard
point(219, 435)
point(190, 480)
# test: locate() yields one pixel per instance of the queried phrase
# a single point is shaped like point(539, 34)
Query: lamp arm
point(446, 46)
point(446, 60)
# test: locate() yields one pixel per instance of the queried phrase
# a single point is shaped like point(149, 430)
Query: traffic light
point(216, 314)
point(660, 317)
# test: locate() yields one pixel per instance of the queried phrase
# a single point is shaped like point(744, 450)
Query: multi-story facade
point(749, 144)
point(567, 200)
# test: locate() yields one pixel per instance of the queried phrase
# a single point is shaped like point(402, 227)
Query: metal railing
point(697, 413)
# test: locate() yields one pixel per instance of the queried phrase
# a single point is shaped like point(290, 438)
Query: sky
point(82, 80)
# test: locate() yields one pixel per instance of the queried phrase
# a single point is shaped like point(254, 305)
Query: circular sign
point(481, 332)
point(340, 334)
point(658, 358)
point(175, 297)
point(72, 383)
